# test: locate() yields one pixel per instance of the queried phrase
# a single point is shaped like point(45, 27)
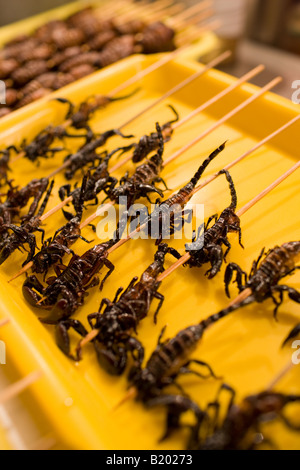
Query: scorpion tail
point(45, 202)
point(205, 324)
point(177, 117)
point(205, 164)
point(125, 97)
point(233, 193)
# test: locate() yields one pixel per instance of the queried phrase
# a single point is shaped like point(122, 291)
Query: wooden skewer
point(4, 322)
point(177, 154)
point(246, 154)
point(226, 118)
point(193, 10)
point(18, 387)
point(239, 213)
point(280, 376)
point(168, 13)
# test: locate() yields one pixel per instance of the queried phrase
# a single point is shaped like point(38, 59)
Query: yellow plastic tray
point(75, 401)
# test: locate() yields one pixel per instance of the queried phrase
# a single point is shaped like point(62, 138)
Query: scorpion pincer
point(207, 248)
point(120, 318)
point(265, 275)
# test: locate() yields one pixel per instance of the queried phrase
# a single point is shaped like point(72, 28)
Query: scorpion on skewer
point(67, 291)
point(142, 182)
point(151, 143)
point(265, 275)
point(98, 181)
point(241, 427)
point(4, 163)
point(24, 234)
point(168, 214)
point(87, 155)
point(55, 248)
point(40, 147)
point(16, 199)
point(207, 248)
point(80, 119)
point(120, 319)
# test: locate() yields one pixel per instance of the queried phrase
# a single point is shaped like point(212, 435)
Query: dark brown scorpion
point(54, 249)
point(40, 147)
point(150, 143)
point(66, 292)
point(87, 155)
point(241, 427)
point(79, 119)
point(120, 318)
point(24, 234)
point(167, 216)
point(17, 199)
point(99, 180)
point(264, 278)
point(142, 182)
point(207, 248)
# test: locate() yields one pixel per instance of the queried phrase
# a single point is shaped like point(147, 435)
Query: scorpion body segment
point(208, 246)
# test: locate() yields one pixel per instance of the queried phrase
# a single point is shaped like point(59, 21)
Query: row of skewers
point(114, 328)
point(63, 51)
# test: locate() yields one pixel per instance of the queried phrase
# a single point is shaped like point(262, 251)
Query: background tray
point(74, 402)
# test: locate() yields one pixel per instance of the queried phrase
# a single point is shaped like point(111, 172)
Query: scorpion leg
point(110, 268)
point(69, 103)
point(186, 369)
point(63, 338)
point(231, 268)
point(228, 245)
point(113, 362)
point(216, 260)
point(292, 293)
point(292, 335)
point(137, 351)
point(256, 263)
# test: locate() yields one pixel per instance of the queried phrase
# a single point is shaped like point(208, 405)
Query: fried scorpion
point(120, 318)
point(207, 248)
